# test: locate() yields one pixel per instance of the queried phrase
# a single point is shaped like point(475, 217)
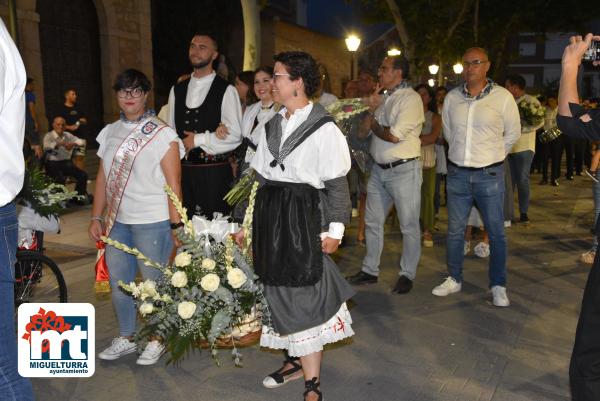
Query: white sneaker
point(449, 286)
point(467, 247)
point(507, 223)
point(588, 257)
point(151, 354)
point(499, 296)
point(482, 250)
point(354, 212)
point(119, 347)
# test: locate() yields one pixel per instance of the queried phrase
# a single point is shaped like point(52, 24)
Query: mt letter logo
point(56, 340)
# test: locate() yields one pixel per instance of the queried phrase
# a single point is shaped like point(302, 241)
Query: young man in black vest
point(199, 107)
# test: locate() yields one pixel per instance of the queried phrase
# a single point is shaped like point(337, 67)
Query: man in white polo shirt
point(396, 176)
point(521, 154)
point(481, 124)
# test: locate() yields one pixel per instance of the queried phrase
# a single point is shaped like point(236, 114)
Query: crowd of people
point(273, 120)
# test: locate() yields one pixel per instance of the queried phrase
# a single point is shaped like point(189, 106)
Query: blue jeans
point(13, 387)
point(399, 186)
point(485, 188)
point(153, 240)
point(520, 165)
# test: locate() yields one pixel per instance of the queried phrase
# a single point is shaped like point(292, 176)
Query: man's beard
point(201, 64)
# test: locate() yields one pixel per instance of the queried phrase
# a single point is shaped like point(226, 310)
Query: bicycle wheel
point(38, 279)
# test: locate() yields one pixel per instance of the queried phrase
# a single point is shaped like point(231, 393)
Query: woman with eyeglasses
point(299, 216)
point(139, 154)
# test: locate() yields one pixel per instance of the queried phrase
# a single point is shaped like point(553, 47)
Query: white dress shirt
point(323, 156)
point(231, 115)
point(53, 141)
point(527, 139)
point(262, 116)
point(402, 111)
point(12, 118)
point(480, 131)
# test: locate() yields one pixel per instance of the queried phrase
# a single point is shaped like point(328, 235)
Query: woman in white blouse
point(299, 218)
point(256, 115)
point(139, 154)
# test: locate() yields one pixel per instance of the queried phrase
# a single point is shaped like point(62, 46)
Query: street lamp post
point(352, 43)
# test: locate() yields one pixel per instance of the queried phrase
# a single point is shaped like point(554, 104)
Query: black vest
point(206, 117)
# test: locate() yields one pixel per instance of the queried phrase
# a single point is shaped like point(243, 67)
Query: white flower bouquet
point(208, 296)
point(532, 113)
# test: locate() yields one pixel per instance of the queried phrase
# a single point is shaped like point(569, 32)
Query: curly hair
point(301, 65)
point(432, 106)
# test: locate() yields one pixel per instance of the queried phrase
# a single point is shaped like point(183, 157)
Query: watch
point(176, 225)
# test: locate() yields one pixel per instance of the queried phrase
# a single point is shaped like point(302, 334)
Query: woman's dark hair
point(301, 65)
point(432, 106)
point(132, 78)
point(267, 69)
point(247, 77)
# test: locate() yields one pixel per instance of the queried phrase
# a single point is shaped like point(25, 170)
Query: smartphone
point(593, 53)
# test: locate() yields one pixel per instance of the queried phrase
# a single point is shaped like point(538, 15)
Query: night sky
point(338, 18)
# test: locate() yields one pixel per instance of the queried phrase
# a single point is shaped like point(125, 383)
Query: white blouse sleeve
point(334, 155)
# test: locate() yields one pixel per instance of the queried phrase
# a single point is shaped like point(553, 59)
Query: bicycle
point(37, 277)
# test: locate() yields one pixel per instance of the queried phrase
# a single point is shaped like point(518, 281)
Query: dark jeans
point(13, 387)
point(574, 148)
point(553, 151)
point(60, 170)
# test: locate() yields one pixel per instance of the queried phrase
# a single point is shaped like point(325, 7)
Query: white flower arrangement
point(207, 294)
point(532, 113)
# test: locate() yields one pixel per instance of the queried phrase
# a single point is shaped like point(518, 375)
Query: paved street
point(413, 347)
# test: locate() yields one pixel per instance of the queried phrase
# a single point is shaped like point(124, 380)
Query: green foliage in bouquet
point(210, 292)
point(241, 190)
point(43, 195)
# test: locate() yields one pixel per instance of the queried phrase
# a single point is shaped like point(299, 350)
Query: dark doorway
point(70, 46)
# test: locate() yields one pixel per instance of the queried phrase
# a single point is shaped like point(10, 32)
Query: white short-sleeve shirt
point(144, 199)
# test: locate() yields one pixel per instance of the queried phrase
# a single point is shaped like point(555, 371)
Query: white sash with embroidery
point(122, 165)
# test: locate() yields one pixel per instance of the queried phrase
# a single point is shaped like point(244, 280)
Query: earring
point(295, 93)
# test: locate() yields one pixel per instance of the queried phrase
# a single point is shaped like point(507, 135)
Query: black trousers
point(552, 151)
point(204, 186)
point(574, 148)
point(60, 170)
point(584, 372)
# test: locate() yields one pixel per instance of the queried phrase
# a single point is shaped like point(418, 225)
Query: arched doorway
point(70, 47)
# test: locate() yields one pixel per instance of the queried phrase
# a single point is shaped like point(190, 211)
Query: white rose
point(236, 277)
point(210, 282)
point(146, 308)
point(208, 264)
point(186, 309)
point(183, 259)
point(179, 279)
point(149, 287)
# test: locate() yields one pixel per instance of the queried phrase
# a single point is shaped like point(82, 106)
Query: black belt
point(476, 168)
point(396, 163)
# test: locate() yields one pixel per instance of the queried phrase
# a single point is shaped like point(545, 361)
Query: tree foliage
point(443, 29)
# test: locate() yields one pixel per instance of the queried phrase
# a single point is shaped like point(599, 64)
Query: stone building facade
point(278, 36)
point(123, 39)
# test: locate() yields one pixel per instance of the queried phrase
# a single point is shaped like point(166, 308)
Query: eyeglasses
point(277, 75)
point(134, 93)
point(474, 63)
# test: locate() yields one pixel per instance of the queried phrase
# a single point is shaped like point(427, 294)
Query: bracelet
point(98, 218)
point(175, 226)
